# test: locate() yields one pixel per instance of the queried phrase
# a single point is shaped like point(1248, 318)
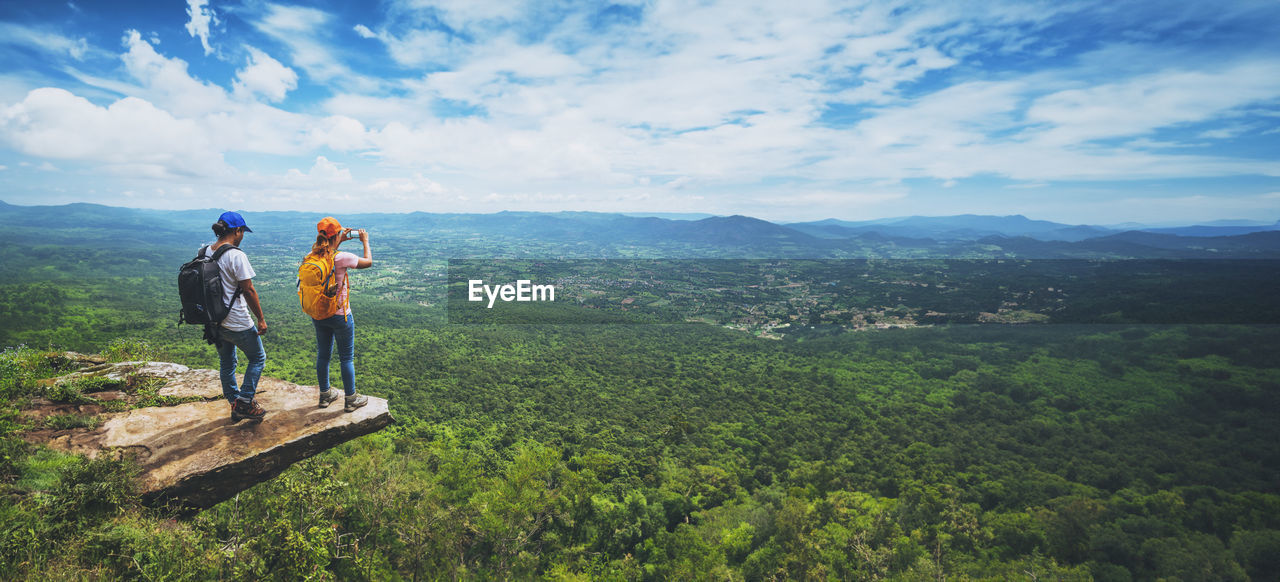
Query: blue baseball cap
point(234, 220)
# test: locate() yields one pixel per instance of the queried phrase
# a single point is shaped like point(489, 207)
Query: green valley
point(652, 451)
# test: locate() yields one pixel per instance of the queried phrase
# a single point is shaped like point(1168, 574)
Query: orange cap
point(329, 226)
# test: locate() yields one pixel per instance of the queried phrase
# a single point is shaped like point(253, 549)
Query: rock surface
point(191, 455)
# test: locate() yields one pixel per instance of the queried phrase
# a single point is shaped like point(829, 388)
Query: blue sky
point(1081, 112)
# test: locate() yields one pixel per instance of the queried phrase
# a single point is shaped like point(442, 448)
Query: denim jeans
point(249, 343)
point(343, 329)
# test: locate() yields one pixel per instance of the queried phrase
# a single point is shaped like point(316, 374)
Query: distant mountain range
point(974, 227)
point(683, 235)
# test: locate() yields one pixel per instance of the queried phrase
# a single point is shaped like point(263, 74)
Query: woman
point(341, 326)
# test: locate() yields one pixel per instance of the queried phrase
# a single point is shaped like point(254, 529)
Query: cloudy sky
point(1083, 112)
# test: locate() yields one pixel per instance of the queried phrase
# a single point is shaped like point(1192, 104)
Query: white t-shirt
point(235, 267)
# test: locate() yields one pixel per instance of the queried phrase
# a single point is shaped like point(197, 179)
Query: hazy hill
point(1216, 229)
point(600, 234)
point(960, 227)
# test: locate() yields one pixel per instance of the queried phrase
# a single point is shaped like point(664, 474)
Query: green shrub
point(11, 422)
point(12, 451)
point(148, 397)
point(74, 391)
point(89, 490)
point(151, 549)
point(69, 421)
point(23, 544)
point(67, 392)
point(115, 406)
point(99, 384)
point(129, 350)
point(21, 366)
point(1258, 551)
point(43, 467)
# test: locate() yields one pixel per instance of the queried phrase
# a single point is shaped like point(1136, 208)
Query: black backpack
point(200, 288)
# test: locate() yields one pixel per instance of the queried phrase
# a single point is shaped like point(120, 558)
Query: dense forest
point(667, 452)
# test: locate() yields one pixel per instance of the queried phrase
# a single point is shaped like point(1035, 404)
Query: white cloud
point(415, 188)
point(166, 81)
point(293, 19)
point(202, 16)
point(828, 198)
point(304, 32)
point(169, 125)
point(46, 41)
point(1142, 104)
point(677, 183)
point(536, 105)
point(1188, 209)
point(418, 48)
point(1230, 130)
point(378, 111)
point(338, 133)
point(230, 124)
point(717, 96)
point(323, 171)
point(53, 123)
point(462, 15)
point(264, 76)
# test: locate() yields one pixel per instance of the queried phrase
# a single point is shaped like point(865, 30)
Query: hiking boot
point(355, 401)
point(327, 396)
point(242, 410)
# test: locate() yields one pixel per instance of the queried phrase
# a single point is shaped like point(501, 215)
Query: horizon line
point(643, 214)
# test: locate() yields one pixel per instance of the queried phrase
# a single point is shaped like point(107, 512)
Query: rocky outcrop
point(190, 453)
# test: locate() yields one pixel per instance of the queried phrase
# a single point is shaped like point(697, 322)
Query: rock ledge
point(192, 456)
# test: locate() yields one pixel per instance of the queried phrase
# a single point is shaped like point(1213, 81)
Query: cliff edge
point(180, 432)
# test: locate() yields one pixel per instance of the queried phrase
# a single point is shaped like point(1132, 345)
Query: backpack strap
point(234, 296)
point(222, 250)
point(343, 304)
point(333, 271)
point(328, 277)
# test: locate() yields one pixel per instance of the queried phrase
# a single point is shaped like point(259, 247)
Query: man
point(237, 330)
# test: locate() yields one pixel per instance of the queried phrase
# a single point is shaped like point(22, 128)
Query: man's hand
point(251, 297)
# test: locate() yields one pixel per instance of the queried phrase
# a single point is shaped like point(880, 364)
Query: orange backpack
point(319, 298)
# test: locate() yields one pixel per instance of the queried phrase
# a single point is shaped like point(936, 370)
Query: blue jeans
point(249, 343)
point(343, 329)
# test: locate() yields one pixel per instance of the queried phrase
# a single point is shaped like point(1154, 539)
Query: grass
point(69, 421)
point(21, 366)
point(68, 393)
point(41, 470)
point(116, 406)
point(129, 350)
point(147, 399)
point(98, 383)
